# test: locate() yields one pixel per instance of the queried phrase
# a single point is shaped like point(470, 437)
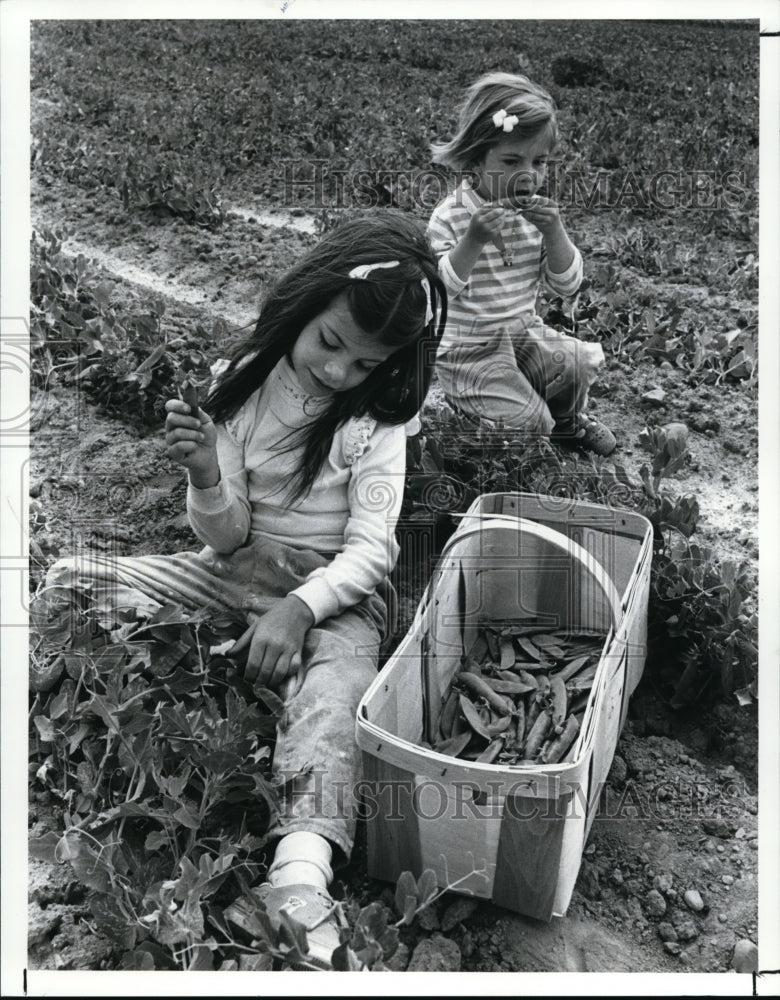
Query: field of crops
point(177, 169)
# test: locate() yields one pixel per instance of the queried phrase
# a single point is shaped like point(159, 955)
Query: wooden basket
point(512, 834)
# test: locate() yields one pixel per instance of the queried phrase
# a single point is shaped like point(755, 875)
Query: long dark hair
point(390, 304)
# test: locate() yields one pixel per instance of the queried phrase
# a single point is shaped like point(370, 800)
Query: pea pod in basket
point(538, 734)
point(520, 695)
point(559, 703)
point(557, 747)
point(479, 686)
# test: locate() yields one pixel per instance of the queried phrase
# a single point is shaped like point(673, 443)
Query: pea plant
point(158, 754)
point(82, 333)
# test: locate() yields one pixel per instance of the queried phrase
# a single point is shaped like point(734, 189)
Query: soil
point(680, 807)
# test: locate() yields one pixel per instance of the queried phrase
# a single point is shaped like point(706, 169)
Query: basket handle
point(576, 551)
point(422, 618)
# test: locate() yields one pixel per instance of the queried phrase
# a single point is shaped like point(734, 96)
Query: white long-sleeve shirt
point(492, 293)
point(350, 512)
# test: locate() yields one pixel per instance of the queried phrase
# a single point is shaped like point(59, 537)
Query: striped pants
point(526, 376)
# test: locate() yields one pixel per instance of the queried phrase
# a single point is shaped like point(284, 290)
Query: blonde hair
point(477, 133)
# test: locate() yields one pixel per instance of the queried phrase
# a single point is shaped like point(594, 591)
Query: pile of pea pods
point(519, 696)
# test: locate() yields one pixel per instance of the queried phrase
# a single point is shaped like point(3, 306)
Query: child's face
point(515, 168)
point(333, 354)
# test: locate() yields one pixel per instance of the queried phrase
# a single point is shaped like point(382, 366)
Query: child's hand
point(275, 640)
point(544, 214)
point(191, 441)
point(485, 223)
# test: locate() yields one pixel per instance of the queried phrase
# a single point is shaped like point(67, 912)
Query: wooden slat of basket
point(393, 843)
point(529, 855)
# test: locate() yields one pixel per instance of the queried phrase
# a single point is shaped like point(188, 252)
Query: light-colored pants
point(316, 760)
point(523, 375)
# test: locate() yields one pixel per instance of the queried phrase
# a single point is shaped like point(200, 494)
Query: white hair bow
point(428, 307)
point(363, 270)
point(501, 118)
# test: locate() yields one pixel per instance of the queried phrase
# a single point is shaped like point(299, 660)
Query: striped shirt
point(493, 293)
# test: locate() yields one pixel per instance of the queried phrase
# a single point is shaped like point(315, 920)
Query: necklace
point(505, 251)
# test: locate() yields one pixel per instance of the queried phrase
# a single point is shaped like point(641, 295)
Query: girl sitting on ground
point(496, 237)
point(296, 465)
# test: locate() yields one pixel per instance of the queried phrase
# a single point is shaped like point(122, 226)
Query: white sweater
point(492, 294)
point(350, 513)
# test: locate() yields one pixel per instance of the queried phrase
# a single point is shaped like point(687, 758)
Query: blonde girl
point(496, 238)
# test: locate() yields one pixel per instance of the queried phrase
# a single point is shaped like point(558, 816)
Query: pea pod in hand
point(189, 394)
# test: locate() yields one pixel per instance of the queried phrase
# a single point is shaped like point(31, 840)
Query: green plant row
point(246, 98)
point(127, 362)
point(121, 356)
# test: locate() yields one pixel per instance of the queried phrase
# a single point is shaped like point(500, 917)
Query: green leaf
point(187, 817)
point(203, 958)
point(98, 706)
point(344, 959)
point(184, 924)
point(113, 919)
point(68, 846)
point(168, 613)
point(220, 761)
point(182, 682)
point(45, 728)
point(410, 909)
point(369, 954)
point(735, 603)
point(155, 840)
point(109, 659)
point(176, 784)
point(140, 960)
point(427, 887)
point(94, 869)
point(136, 720)
point(372, 921)
point(190, 882)
point(405, 887)
point(76, 663)
point(163, 660)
